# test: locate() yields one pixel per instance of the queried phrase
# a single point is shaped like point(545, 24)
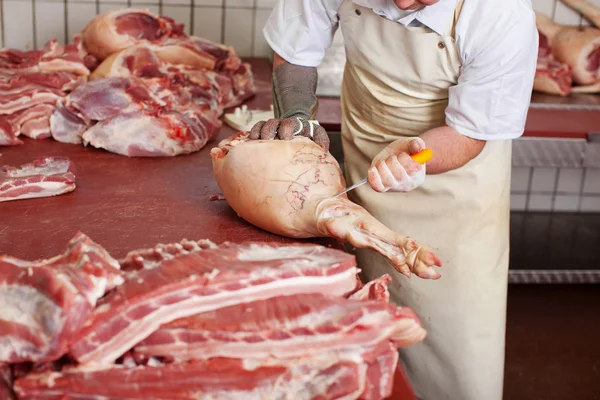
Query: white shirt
point(497, 41)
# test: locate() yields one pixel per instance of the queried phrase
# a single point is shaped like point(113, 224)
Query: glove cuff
point(294, 91)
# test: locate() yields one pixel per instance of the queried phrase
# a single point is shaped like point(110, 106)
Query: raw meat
point(292, 326)
point(217, 90)
point(287, 188)
point(551, 76)
point(139, 134)
point(376, 289)
point(151, 258)
point(45, 177)
point(204, 281)
point(6, 382)
point(578, 47)
point(33, 122)
point(123, 116)
point(52, 58)
point(322, 378)
point(44, 303)
point(26, 97)
point(116, 30)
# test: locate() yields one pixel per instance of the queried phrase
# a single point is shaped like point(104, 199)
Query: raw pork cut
point(218, 90)
point(292, 326)
point(151, 258)
point(551, 76)
point(6, 382)
point(578, 47)
point(33, 122)
point(44, 303)
point(116, 30)
point(123, 116)
point(45, 177)
point(71, 58)
point(326, 377)
point(204, 281)
point(287, 188)
point(377, 289)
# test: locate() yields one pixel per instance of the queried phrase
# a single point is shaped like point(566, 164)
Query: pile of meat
point(132, 83)
point(196, 320)
point(569, 56)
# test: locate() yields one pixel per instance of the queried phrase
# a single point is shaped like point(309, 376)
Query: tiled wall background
point(27, 24)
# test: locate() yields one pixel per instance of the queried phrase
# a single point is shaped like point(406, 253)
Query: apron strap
point(457, 11)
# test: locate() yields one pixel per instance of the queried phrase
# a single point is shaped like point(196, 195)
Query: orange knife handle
point(423, 156)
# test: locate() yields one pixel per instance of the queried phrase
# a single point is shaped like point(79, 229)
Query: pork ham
point(287, 188)
point(578, 47)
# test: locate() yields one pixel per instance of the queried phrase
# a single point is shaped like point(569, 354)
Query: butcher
point(452, 76)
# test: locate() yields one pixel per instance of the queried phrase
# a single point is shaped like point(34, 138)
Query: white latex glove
point(393, 170)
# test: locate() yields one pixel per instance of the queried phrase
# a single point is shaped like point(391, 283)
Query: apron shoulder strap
point(457, 11)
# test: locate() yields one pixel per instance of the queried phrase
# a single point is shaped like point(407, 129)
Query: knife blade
point(421, 157)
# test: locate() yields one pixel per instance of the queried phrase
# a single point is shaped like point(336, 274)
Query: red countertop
point(128, 203)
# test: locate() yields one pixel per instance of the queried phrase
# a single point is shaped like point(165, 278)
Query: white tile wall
point(235, 22)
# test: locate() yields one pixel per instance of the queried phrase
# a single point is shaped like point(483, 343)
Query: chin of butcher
point(578, 47)
point(287, 188)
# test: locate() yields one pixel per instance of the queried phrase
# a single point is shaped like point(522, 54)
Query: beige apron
point(396, 84)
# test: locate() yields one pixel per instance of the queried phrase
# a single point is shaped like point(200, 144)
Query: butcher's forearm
point(294, 89)
point(451, 150)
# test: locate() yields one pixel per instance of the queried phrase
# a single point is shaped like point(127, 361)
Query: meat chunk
point(45, 177)
point(204, 281)
point(44, 303)
point(6, 382)
point(331, 378)
point(294, 326)
point(287, 188)
point(116, 30)
point(578, 47)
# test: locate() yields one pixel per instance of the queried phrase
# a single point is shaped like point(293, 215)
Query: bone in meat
point(287, 188)
point(204, 281)
point(291, 326)
point(578, 47)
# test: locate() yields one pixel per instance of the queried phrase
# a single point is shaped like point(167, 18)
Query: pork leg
point(288, 188)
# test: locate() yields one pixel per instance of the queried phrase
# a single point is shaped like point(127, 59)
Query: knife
point(421, 157)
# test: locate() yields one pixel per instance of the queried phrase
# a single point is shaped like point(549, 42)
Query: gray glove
point(295, 106)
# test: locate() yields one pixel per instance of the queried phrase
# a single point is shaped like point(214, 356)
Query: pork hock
point(287, 188)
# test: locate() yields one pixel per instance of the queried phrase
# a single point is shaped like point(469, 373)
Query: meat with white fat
point(346, 375)
point(44, 303)
point(551, 76)
point(204, 281)
point(293, 326)
point(44, 177)
point(578, 47)
point(288, 188)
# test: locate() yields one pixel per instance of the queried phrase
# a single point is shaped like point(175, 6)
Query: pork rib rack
point(288, 188)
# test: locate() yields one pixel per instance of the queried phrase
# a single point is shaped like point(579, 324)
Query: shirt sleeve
point(499, 54)
point(300, 31)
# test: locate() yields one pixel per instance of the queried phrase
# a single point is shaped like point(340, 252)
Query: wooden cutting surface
point(128, 203)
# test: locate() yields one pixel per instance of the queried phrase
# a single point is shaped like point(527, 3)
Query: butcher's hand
point(289, 128)
point(295, 107)
point(393, 170)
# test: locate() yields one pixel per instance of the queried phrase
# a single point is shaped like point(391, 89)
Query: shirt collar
point(436, 17)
